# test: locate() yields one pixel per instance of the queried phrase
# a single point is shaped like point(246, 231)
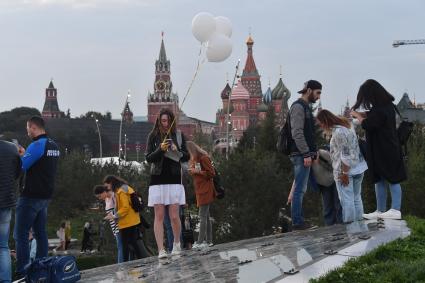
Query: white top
point(345, 149)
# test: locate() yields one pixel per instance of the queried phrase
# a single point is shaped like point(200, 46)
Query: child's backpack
point(54, 269)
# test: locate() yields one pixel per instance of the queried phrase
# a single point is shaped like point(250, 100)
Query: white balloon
point(223, 25)
point(219, 48)
point(203, 26)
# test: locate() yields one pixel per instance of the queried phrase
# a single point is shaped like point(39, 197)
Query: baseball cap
point(311, 84)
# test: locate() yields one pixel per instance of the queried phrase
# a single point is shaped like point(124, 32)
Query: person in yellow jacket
point(128, 219)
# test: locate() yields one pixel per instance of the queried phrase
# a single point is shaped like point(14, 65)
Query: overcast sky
point(95, 50)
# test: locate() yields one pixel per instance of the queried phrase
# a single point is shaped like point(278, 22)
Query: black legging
point(129, 237)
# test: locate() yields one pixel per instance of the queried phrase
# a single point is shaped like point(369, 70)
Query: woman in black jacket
point(384, 154)
point(166, 148)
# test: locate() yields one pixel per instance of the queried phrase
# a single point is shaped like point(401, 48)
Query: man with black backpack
point(301, 146)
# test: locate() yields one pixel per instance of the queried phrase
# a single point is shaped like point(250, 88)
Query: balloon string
point(198, 68)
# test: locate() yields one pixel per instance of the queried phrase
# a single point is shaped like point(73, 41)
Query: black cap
point(311, 84)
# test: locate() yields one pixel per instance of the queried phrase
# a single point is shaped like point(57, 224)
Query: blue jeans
point(169, 229)
point(381, 196)
point(30, 212)
point(5, 264)
point(332, 211)
point(120, 257)
point(351, 198)
point(301, 176)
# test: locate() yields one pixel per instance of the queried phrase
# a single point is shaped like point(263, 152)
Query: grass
point(400, 261)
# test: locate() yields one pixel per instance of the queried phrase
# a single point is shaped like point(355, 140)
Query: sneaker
point(54, 251)
point(162, 254)
point(210, 244)
point(304, 226)
point(195, 245)
point(373, 215)
point(391, 214)
point(65, 252)
point(176, 249)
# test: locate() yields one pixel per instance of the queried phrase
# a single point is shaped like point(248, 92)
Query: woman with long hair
point(128, 219)
point(166, 148)
point(202, 171)
point(347, 162)
point(383, 150)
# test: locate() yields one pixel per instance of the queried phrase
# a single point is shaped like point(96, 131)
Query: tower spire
point(162, 54)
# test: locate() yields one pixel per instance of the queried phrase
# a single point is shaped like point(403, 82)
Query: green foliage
point(13, 123)
point(97, 115)
point(399, 261)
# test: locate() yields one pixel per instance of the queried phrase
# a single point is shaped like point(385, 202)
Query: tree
point(97, 115)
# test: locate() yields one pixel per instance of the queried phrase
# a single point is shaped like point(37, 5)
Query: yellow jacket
point(127, 217)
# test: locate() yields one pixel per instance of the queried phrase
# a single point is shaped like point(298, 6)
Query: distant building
point(164, 97)
point(51, 106)
point(246, 103)
point(410, 111)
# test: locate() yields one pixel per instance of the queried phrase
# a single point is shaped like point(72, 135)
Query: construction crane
point(397, 43)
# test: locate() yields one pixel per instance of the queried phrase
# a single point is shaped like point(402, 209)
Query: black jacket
point(385, 158)
point(302, 140)
point(40, 165)
point(10, 169)
point(155, 156)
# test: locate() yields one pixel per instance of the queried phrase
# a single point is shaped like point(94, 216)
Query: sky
point(97, 50)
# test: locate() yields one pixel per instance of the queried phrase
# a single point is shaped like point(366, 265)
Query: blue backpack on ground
point(55, 269)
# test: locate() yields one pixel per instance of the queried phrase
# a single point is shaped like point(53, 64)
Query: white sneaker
point(210, 244)
point(373, 215)
point(391, 214)
point(162, 254)
point(176, 249)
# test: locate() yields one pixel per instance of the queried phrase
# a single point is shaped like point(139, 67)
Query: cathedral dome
point(267, 97)
point(226, 91)
point(280, 91)
point(239, 92)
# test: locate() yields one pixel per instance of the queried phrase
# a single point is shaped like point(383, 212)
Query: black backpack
point(404, 130)
point(218, 187)
point(136, 203)
point(284, 138)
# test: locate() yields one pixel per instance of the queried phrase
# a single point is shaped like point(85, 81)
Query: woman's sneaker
point(162, 254)
point(176, 249)
point(391, 214)
point(373, 215)
point(210, 244)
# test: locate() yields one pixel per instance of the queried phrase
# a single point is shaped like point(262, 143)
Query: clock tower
point(163, 96)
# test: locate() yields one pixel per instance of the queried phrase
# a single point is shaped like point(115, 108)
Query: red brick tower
point(51, 107)
point(251, 81)
point(163, 96)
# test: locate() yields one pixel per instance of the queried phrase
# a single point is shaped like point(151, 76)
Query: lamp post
point(228, 110)
point(100, 137)
point(122, 118)
point(125, 147)
point(138, 147)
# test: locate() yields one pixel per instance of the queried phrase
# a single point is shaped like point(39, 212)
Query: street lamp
point(228, 110)
point(125, 147)
point(122, 118)
point(100, 137)
point(138, 147)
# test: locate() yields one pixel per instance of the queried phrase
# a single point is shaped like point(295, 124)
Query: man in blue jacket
point(39, 162)
point(10, 169)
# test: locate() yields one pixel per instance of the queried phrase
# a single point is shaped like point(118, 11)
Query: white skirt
point(166, 194)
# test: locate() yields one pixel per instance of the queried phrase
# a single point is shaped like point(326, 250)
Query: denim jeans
point(301, 176)
point(205, 226)
point(381, 196)
point(120, 258)
point(351, 198)
point(30, 212)
point(332, 211)
point(5, 264)
point(169, 230)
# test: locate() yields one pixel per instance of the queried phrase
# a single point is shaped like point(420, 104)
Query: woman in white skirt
point(165, 149)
